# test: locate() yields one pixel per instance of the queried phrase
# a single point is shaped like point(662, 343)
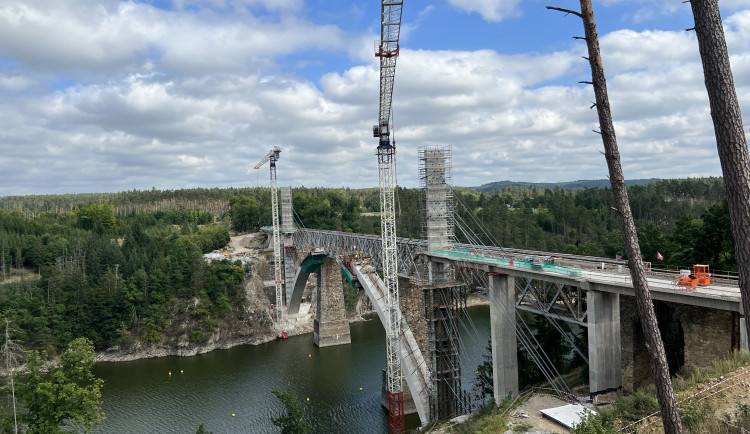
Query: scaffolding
point(444, 299)
point(437, 196)
point(290, 250)
point(287, 220)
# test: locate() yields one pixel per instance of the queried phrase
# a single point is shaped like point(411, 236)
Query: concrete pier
point(605, 370)
point(331, 326)
point(503, 330)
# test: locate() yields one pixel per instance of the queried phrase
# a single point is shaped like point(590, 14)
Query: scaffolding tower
point(444, 299)
point(435, 180)
point(290, 250)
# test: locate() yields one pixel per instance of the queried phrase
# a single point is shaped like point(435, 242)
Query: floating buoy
point(232, 414)
point(360, 388)
point(170, 372)
point(309, 355)
point(181, 371)
point(308, 399)
point(476, 372)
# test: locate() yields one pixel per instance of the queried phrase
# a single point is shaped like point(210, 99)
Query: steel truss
point(370, 245)
point(554, 300)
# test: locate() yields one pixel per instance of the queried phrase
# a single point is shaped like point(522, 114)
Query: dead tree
point(11, 354)
point(730, 134)
point(654, 344)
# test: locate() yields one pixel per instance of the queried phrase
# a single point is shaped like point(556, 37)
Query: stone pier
point(331, 326)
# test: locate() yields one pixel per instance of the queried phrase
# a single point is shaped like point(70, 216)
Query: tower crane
point(272, 156)
point(387, 51)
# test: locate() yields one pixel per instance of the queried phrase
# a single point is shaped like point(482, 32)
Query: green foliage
point(637, 405)
point(292, 420)
point(483, 386)
point(601, 423)
point(694, 414)
point(244, 213)
point(97, 216)
point(202, 430)
point(64, 395)
point(689, 377)
point(351, 297)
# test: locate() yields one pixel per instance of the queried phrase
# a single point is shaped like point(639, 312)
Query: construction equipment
point(699, 277)
point(387, 50)
point(272, 157)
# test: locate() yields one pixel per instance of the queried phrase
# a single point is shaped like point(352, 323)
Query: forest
point(120, 268)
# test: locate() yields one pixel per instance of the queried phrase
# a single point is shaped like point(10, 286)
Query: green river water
point(141, 396)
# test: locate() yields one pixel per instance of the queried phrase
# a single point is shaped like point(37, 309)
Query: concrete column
point(503, 328)
point(331, 326)
point(605, 370)
point(743, 334)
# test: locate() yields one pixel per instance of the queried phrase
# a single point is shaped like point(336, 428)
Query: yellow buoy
point(309, 355)
point(360, 388)
point(181, 371)
point(170, 372)
point(232, 414)
point(308, 399)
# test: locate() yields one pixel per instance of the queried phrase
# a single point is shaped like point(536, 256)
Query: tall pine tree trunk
point(664, 391)
point(730, 135)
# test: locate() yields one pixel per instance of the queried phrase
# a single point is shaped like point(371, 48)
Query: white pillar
point(605, 370)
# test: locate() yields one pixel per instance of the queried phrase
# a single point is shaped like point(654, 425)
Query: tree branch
point(567, 11)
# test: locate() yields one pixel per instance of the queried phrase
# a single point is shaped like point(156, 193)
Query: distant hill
point(571, 185)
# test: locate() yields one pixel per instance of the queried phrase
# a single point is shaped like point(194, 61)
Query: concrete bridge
point(697, 325)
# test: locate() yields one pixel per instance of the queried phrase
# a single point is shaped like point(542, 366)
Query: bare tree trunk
point(730, 134)
point(665, 393)
point(2, 259)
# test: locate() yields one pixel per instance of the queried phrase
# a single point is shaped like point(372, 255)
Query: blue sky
point(108, 95)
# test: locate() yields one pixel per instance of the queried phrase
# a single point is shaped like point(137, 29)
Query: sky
point(108, 95)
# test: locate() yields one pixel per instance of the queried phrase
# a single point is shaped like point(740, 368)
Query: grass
point(697, 416)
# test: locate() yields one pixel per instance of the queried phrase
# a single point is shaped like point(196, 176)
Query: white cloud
point(214, 100)
point(490, 10)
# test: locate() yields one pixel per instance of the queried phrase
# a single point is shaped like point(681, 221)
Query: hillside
point(569, 185)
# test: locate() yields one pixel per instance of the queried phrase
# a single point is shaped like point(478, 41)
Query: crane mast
point(272, 157)
point(387, 50)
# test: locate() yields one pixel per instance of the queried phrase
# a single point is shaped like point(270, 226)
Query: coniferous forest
point(117, 267)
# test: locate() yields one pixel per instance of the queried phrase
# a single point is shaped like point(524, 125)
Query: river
point(142, 397)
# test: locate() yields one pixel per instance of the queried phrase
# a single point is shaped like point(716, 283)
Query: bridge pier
point(502, 294)
point(743, 334)
point(605, 370)
point(708, 333)
point(331, 326)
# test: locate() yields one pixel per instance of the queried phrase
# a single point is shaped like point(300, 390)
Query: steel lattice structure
point(387, 51)
point(272, 157)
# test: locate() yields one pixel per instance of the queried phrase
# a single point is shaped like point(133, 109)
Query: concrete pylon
point(605, 358)
point(503, 331)
point(331, 326)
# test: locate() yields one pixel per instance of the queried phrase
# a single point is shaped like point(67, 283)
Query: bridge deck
point(723, 295)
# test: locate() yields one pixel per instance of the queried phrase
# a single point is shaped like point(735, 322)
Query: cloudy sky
point(108, 95)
